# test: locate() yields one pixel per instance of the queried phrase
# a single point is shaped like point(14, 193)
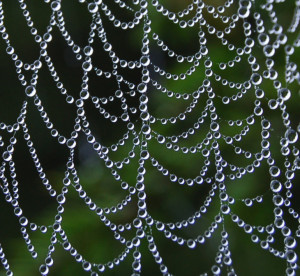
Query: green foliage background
point(166, 201)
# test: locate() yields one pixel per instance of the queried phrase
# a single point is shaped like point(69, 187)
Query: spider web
point(163, 122)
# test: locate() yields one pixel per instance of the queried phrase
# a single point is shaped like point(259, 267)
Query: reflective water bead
point(44, 269)
point(216, 270)
point(92, 7)
point(275, 186)
point(256, 79)
point(88, 50)
point(142, 88)
point(291, 256)
point(71, 143)
point(284, 94)
point(30, 91)
point(291, 135)
point(86, 266)
point(87, 66)
point(263, 39)
point(55, 5)
point(269, 51)
point(290, 242)
point(6, 156)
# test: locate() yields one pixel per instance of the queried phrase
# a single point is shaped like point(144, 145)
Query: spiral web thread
point(267, 39)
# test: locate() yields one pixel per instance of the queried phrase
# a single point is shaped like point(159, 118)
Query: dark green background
point(166, 201)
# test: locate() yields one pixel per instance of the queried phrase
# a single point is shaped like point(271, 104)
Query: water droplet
point(86, 266)
point(161, 139)
point(92, 7)
point(291, 135)
point(256, 79)
point(274, 171)
point(248, 202)
point(191, 243)
point(289, 50)
point(61, 199)
point(87, 66)
point(49, 261)
point(88, 50)
point(214, 126)
point(71, 143)
point(284, 94)
point(44, 269)
point(18, 211)
point(6, 156)
point(142, 88)
point(269, 51)
point(23, 221)
point(55, 6)
point(216, 270)
point(278, 201)
point(225, 209)
point(275, 186)
point(145, 61)
point(144, 154)
point(263, 39)
point(30, 91)
point(290, 242)
point(107, 46)
point(291, 256)
point(219, 176)
point(273, 104)
point(146, 129)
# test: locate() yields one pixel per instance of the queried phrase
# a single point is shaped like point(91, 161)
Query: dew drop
point(256, 79)
point(71, 143)
point(291, 135)
point(220, 176)
point(10, 50)
point(87, 66)
point(269, 51)
point(145, 61)
point(92, 7)
point(275, 186)
point(216, 270)
point(6, 156)
point(274, 171)
point(273, 104)
point(291, 256)
point(243, 12)
point(49, 261)
point(284, 94)
point(142, 88)
point(88, 50)
point(44, 269)
point(55, 6)
point(144, 154)
point(214, 126)
point(86, 266)
point(61, 199)
point(191, 243)
point(30, 91)
point(263, 39)
point(225, 209)
point(18, 211)
point(290, 242)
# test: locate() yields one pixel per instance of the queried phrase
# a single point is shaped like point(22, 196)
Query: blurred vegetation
point(166, 201)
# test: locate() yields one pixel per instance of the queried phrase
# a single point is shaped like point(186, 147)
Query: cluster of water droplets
point(141, 132)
